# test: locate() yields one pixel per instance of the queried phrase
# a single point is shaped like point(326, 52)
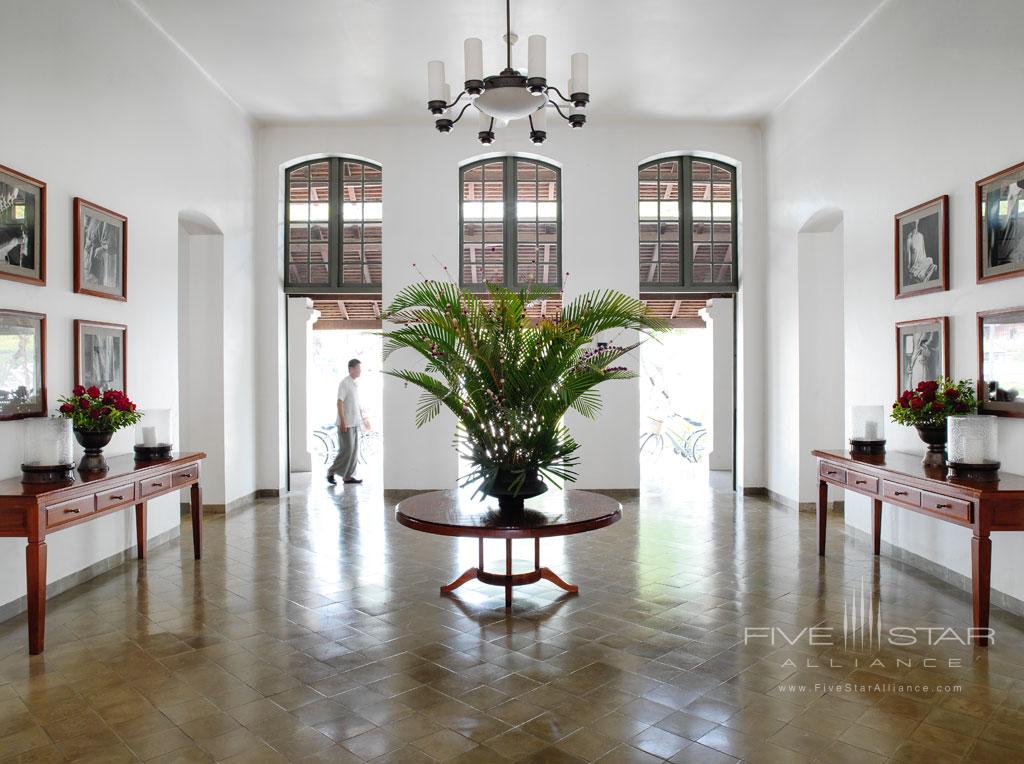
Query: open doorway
point(686, 397)
point(323, 336)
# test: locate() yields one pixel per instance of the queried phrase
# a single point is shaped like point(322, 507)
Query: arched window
point(688, 231)
point(510, 223)
point(333, 226)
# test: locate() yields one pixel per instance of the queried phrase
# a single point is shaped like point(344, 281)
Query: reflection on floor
point(313, 631)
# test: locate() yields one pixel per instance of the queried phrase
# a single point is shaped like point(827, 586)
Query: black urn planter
point(510, 500)
point(93, 442)
point(935, 436)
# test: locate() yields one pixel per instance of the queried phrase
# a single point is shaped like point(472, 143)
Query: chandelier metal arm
point(561, 114)
point(461, 113)
point(558, 92)
point(457, 99)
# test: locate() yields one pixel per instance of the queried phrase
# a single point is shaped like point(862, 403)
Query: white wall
point(719, 316)
point(421, 193)
point(105, 107)
point(923, 101)
point(300, 350)
point(821, 352)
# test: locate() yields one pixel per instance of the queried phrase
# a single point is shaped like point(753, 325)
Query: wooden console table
point(900, 480)
point(33, 511)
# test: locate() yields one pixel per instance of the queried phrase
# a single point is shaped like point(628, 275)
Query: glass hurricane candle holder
point(972, 445)
point(46, 450)
point(867, 429)
point(153, 435)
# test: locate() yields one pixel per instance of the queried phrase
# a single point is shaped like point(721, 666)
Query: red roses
point(94, 410)
point(931, 401)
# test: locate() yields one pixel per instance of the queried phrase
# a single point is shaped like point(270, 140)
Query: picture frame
point(22, 228)
point(1000, 237)
point(22, 364)
point(921, 248)
point(101, 355)
point(1001, 362)
point(101, 251)
point(922, 351)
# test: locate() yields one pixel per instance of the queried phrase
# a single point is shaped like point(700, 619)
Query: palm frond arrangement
point(509, 380)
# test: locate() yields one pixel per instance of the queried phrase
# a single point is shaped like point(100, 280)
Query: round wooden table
point(555, 513)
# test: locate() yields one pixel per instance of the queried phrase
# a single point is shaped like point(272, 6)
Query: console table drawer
point(114, 497)
point(832, 472)
point(154, 485)
point(185, 476)
point(901, 494)
point(860, 482)
point(66, 511)
point(954, 509)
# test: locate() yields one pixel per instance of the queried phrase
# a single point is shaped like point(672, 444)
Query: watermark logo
point(862, 618)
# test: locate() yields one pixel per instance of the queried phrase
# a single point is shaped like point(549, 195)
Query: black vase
point(510, 498)
point(93, 442)
point(935, 436)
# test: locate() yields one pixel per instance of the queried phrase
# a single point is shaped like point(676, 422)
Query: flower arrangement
point(92, 410)
point(933, 401)
point(509, 380)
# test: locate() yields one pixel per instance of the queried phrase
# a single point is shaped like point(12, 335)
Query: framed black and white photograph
point(101, 251)
point(22, 228)
point(1001, 362)
point(22, 364)
point(101, 355)
point(922, 351)
point(921, 248)
point(999, 203)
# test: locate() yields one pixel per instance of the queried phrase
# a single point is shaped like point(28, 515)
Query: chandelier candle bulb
point(580, 80)
point(435, 81)
point(474, 50)
point(537, 65)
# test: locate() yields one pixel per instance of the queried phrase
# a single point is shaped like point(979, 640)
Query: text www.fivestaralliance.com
point(878, 687)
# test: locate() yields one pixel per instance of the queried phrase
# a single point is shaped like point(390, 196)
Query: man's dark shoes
point(330, 477)
point(352, 480)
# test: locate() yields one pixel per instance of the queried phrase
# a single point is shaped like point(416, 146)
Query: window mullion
point(511, 189)
point(334, 225)
point(685, 195)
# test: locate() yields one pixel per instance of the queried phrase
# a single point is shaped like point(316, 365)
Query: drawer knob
point(831, 472)
point(943, 506)
point(899, 493)
point(117, 498)
point(156, 485)
point(861, 482)
point(74, 511)
point(188, 474)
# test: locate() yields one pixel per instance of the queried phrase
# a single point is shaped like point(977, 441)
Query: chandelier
point(501, 98)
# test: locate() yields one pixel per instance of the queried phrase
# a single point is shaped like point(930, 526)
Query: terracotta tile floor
point(313, 631)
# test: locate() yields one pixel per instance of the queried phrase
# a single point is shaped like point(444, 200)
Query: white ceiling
point(366, 60)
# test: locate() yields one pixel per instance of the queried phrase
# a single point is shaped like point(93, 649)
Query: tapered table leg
point(549, 575)
point(196, 496)
point(876, 524)
point(35, 568)
point(981, 580)
point(508, 572)
point(469, 575)
point(822, 515)
point(140, 529)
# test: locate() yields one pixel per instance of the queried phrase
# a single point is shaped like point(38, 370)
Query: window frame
point(335, 229)
point(684, 201)
point(510, 222)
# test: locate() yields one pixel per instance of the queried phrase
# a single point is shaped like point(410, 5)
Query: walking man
point(350, 418)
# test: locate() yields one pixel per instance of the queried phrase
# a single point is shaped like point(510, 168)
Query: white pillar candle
point(870, 431)
point(974, 448)
point(580, 79)
point(149, 436)
point(537, 62)
point(435, 81)
point(447, 95)
point(474, 50)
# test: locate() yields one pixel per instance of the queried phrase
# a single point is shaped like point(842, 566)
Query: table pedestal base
point(508, 579)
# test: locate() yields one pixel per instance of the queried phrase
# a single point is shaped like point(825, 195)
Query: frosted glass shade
point(46, 442)
point(972, 439)
point(435, 81)
point(867, 423)
point(509, 103)
point(154, 429)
